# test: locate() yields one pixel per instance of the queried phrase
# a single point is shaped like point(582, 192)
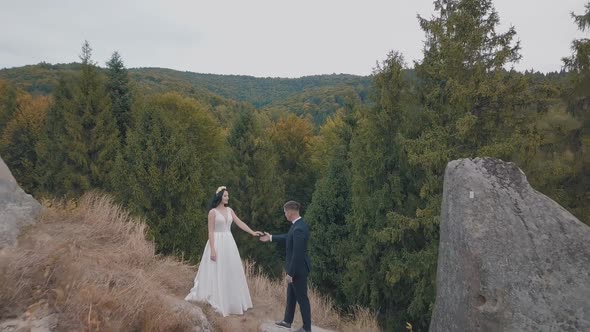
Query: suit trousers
point(297, 293)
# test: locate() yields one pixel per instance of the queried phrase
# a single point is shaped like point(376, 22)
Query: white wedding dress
point(222, 283)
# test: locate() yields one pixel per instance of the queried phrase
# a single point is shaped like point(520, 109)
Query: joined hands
point(265, 237)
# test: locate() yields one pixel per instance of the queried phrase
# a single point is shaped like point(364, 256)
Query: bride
point(220, 280)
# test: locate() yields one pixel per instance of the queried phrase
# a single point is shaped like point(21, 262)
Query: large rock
point(17, 208)
point(37, 318)
point(510, 258)
point(195, 314)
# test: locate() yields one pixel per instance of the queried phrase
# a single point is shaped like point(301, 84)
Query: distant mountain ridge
point(43, 77)
point(256, 90)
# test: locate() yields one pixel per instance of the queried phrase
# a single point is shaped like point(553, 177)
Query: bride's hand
point(265, 237)
point(258, 233)
point(213, 256)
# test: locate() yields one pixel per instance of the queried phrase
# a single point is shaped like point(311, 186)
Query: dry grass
point(272, 294)
point(90, 262)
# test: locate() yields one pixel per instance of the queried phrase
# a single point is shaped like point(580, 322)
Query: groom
point(297, 266)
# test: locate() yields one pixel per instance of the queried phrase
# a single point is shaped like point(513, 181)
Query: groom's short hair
point(292, 205)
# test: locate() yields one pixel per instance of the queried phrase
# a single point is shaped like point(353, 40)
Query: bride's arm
point(211, 229)
point(242, 224)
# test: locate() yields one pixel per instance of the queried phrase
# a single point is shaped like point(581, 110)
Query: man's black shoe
point(283, 324)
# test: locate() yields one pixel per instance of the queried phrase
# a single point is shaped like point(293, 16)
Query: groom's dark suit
point(297, 265)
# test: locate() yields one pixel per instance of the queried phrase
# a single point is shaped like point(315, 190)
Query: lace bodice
point(223, 223)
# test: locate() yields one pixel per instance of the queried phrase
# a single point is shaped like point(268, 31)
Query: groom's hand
point(288, 278)
point(265, 237)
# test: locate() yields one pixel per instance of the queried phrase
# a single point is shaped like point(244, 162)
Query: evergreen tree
point(476, 106)
point(326, 215)
point(577, 97)
point(167, 170)
point(53, 169)
point(120, 93)
point(554, 170)
point(578, 64)
point(81, 140)
point(292, 138)
point(380, 273)
point(99, 133)
point(256, 186)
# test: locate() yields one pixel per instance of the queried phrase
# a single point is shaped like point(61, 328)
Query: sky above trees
point(264, 38)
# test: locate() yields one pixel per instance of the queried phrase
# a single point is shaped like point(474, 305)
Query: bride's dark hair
point(217, 199)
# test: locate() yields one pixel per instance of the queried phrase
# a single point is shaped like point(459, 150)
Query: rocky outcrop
point(17, 208)
point(37, 318)
point(199, 321)
point(510, 258)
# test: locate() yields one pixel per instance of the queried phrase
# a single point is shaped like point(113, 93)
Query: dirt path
point(250, 320)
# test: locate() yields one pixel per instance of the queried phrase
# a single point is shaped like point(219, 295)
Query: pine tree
point(577, 97)
point(383, 203)
point(120, 93)
point(256, 187)
point(53, 169)
point(169, 165)
point(579, 65)
point(100, 136)
point(81, 139)
point(326, 215)
point(292, 138)
point(477, 107)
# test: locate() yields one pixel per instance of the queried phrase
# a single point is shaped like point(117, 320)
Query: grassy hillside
point(86, 264)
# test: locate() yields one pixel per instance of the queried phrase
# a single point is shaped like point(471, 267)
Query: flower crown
point(220, 189)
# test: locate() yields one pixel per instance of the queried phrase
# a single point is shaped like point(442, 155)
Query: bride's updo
point(217, 197)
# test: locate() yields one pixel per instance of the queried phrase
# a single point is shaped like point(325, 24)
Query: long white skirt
point(222, 283)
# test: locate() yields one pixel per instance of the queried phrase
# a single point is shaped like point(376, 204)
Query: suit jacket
point(297, 262)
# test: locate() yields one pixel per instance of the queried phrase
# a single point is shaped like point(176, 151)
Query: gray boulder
point(198, 320)
point(510, 258)
point(17, 208)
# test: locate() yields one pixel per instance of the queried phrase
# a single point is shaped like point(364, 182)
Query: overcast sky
point(275, 38)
